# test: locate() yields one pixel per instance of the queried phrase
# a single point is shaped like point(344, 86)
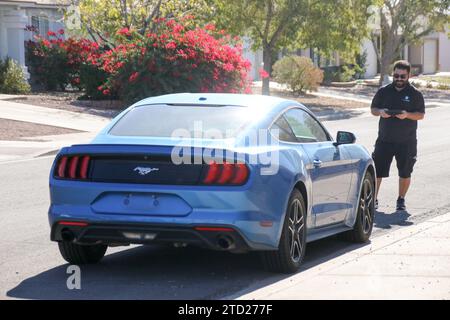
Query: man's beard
point(400, 84)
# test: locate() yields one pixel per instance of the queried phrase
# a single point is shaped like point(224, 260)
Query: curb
point(258, 291)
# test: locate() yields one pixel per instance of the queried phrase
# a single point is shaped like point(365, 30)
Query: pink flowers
point(171, 45)
point(263, 74)
point(133, 77)
point(124, 32)
point(228, 67)
point(210, 27)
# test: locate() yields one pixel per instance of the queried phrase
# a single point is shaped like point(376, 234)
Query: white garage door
point(430, 56)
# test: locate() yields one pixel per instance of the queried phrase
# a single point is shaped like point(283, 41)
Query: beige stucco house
point(15, 15)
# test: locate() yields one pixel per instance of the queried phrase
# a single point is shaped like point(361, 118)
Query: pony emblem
point(144, 171)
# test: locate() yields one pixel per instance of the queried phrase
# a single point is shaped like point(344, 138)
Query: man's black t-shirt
point(393, 129)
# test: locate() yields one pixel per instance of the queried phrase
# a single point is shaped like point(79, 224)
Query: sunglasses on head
point(400, 76)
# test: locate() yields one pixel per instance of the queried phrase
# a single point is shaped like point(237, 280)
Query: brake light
point(73, 167)
point(241, 174)
point(213, 173)
point(73, 223)
point(62, 167)
point(226, 174)
point(84, 167)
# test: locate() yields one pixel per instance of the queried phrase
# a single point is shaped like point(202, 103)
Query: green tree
point(402, 22)
point(100, 19)
point(328, 25)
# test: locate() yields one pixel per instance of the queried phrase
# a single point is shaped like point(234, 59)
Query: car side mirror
point(344, 137)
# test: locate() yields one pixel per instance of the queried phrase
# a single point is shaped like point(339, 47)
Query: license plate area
point(146, 204)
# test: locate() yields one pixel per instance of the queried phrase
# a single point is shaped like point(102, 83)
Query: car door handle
point(317, 163)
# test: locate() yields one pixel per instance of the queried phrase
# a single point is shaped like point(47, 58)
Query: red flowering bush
point(177, 59)
point(56, 62)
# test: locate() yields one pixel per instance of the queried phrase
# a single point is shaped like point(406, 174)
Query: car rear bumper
point(222, 238)
point(255, 212)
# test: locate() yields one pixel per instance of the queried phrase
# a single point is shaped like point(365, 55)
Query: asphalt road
point(31, 266)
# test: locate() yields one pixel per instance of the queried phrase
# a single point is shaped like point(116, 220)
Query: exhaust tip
point(67, 235)
point(225, 242)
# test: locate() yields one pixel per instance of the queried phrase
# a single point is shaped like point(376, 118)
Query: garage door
point(430, 48)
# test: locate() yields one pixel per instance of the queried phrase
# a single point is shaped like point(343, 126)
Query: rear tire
point(81, 254)
point(366, 209)
point(291, 250)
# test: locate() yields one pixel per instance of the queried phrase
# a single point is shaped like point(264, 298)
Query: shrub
point(91, 78)
point(344, 73)
point(416, 84)
point(180, 58)
point(298, 73)
point(56, 63)
point(360, 66)
point(12, 79)
point(330, 74)
point(443, 86)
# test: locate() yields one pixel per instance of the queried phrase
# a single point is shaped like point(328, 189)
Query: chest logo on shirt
point(406, 99)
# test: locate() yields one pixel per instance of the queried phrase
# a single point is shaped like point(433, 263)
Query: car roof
point(219, 99)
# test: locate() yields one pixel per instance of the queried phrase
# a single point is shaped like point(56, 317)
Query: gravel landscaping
point(18, 130)
point(69, 101)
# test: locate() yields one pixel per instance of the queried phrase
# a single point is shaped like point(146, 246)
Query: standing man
point(399, 106)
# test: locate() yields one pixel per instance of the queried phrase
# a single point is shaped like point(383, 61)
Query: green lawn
point(443, 80)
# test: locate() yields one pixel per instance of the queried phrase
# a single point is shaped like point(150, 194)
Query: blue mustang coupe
point(222, 171)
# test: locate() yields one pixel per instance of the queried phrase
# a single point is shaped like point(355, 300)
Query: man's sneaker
point(376, 204)
point(401, 204)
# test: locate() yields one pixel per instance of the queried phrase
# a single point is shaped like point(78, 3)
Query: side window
point(284, 130)
point(305, 127)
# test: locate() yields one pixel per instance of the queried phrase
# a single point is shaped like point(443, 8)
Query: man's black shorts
point(405, 155)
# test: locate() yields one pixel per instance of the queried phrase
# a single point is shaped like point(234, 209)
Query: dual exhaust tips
point(224, 242)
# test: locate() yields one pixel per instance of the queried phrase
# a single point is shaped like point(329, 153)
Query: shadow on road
point(329, 114)
point(151, 272)
point(385, 220)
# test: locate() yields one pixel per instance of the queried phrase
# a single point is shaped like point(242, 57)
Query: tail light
point(226, 174)
point(73, 167)
point(73, 223)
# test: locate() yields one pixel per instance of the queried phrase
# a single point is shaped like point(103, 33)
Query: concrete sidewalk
point(36, 146)
point(410, 263)
point(52, 117)
point(41, 146)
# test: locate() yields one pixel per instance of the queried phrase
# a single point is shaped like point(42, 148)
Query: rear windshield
point(166, 120)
